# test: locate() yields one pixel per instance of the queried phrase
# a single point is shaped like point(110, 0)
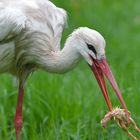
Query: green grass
point(70, 106)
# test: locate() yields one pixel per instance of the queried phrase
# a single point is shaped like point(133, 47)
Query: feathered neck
point(63, 60)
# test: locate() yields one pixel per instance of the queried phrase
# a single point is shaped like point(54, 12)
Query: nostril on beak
point(101, 56)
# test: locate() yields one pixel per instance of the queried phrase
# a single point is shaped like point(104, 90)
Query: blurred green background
point(70, 106)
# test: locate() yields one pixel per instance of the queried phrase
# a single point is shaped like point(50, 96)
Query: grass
point(70, 106)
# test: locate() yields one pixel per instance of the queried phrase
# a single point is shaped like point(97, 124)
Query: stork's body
point(30, 35)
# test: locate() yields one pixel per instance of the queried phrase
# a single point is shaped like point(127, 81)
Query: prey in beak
point(122, 117)
point(92, 48)
point(101, 70)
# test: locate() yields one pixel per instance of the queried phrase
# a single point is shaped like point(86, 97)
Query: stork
point(30, 36)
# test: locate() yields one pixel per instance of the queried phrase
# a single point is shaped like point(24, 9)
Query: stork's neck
point(64, 60)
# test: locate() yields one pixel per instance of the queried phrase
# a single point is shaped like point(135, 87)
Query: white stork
point(30, 35)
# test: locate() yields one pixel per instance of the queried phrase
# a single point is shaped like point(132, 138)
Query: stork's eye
point(91, 47)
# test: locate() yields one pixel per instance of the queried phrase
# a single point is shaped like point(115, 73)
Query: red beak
point(101, 68)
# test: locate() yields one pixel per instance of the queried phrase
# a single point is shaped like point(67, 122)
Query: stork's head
point(92, 48)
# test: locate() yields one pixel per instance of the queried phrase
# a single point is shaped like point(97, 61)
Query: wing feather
point(48, 19)
point(12, 21)
point(42, 16)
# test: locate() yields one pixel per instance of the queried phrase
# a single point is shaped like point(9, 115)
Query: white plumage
point(30, 37)
point(21, 22)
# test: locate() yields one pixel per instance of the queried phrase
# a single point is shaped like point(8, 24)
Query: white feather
point(30, 38)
